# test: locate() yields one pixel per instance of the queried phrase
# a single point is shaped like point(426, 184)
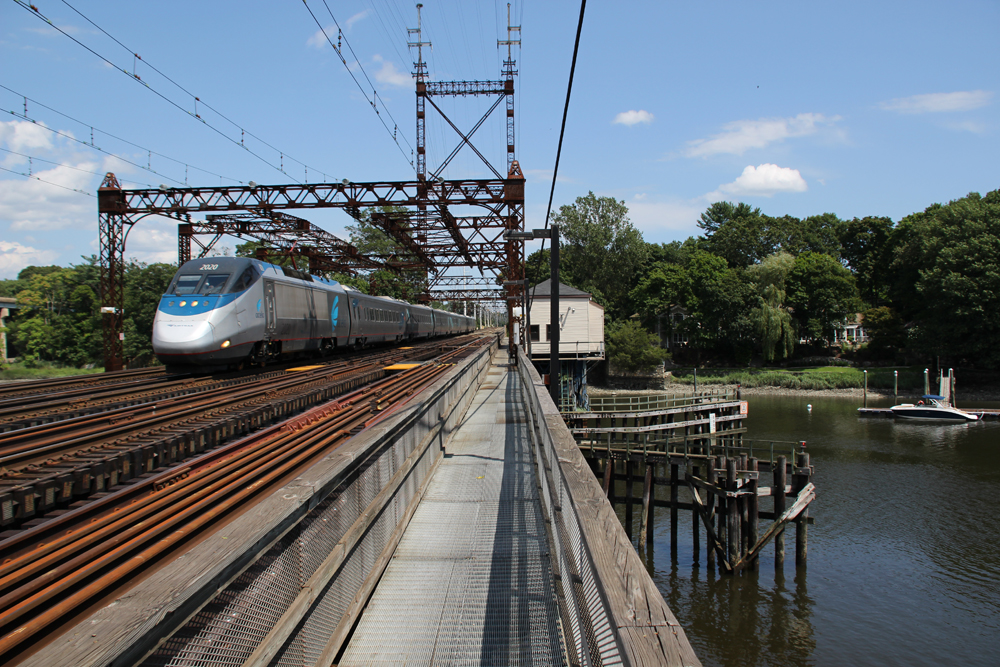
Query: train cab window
point(214, 283)
point(244, 281)
point(187, 284)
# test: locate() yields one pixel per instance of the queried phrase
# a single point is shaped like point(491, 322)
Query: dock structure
point(466, 527)
point(696, 443)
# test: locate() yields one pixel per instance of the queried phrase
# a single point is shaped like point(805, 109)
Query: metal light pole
point(554, 317)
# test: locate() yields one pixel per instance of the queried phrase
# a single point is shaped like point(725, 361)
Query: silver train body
point(223, 311)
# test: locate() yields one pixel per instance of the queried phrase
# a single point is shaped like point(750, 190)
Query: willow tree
point(771, 319)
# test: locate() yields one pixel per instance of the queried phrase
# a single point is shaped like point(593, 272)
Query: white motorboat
point(932, 408)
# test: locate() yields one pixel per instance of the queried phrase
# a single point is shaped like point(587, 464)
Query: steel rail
point(57, 576)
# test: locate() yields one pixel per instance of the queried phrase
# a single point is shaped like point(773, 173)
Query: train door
point(269, 314)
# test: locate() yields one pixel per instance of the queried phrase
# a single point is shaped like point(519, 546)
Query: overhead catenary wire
point(117, 138)
point(20, 115)
point(372, 102)
point(242, 130)
point(134, 77)
point(42, 180)
point(32, 158)
point(562, 132)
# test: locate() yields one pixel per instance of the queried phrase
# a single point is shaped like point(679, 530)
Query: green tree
point(885, 331)
point(737, 233)
point(822, 293)
point(954, 250)
point(771, 318)
point(144, 285)
point(866, 248)
point(602, 251)
point(663, 286)
point(631, 348)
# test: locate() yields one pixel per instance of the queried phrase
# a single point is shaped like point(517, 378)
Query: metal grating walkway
point(470, 582)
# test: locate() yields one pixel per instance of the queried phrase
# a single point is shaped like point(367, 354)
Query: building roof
point(543, 290)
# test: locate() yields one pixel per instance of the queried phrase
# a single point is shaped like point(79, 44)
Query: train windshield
point(193, 283)
point(214, 283)
point(186, 284)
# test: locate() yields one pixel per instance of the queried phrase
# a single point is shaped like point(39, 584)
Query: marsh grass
point(821, 377)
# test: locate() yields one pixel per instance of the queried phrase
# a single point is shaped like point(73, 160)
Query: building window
point(534, 332)
point(548, 332)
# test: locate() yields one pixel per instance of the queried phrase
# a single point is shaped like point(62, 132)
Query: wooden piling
point(743, 505)
point(802, 522)
point(778, 492)
point(722, 513)
point(754, 508)
point(629, 471)
point(674, 489)
point(647, 497)
point(710, 503)
point(695, 521)
point(609, 469)
point(732, 512)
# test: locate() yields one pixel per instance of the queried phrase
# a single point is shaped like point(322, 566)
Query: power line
point(42, 180)
point(373, 103)
point(96, 148)
point(562, 132)
point(197, 99)
point(117, 138)
point(32, 159)
point(135, 77)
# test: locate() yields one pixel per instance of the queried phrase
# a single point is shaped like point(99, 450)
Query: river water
point(904, 557)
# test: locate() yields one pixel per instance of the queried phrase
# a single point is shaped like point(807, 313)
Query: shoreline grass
point(822, 377)
point(41, 371)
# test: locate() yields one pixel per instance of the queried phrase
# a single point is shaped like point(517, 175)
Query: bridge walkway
point(470, 581)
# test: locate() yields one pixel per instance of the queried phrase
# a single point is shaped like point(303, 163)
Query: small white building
point(6, 304)
point(581, 323)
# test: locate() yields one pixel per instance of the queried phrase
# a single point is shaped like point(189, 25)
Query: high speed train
point(225, 311)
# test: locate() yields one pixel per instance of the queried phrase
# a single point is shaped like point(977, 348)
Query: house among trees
point(581, 337)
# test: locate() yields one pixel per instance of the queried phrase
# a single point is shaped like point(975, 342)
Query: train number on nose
point(208, 267)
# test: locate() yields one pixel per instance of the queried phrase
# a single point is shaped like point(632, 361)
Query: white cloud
point(743, 135)
point(318, 40)
point(938, 102)
point(388, 74)
point(633, 117)
point(761, 181)
point(349, 23)
point(967, 126)
point(32, 205)
point(14, 257)
point(24, 137)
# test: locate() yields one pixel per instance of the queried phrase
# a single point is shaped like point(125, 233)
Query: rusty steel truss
point(436, 231)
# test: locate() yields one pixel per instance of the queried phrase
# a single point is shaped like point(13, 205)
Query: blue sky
point(874, 108)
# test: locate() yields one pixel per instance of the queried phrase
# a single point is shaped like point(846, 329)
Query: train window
point(214, 283)
point(244, 280)
point(187, 284)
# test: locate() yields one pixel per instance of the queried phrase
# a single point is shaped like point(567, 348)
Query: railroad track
point(49, 467)
point(54, 569)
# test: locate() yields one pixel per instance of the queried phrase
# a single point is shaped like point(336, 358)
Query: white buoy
point(809, 407)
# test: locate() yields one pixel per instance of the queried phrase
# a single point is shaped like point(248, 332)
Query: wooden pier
point(696, 442)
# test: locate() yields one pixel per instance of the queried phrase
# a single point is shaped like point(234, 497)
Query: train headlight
point(183, 303)
point(225, 344)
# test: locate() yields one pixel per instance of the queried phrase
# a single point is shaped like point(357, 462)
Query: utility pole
point(554, 318)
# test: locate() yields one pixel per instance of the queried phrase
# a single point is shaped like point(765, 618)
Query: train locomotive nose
point(183, 337)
